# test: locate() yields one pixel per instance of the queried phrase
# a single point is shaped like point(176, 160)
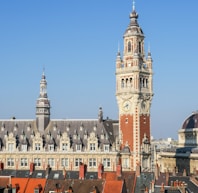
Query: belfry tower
point(42, 106)
point(134, 94)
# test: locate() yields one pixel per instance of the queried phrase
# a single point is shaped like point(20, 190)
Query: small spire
point(149, 49)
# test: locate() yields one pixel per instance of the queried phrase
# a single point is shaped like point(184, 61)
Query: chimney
point(100, 171)
point(156, 172)
point(31, 168)
point(152, 186)
point(1, 165)
point(38, 188)
point(81, 171)
point(184, 172)
point(167, 177)
point(138, 170)
point(146, 190)
point(64, 173)
point(162, 188)
point(119, 170)
point(47, 171)
point(174, 171)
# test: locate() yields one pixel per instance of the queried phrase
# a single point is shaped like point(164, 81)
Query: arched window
point(129, 46)
point(127, 82)
point(122, 83)
point(131, 84)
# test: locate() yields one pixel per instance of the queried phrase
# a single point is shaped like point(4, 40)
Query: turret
point(43, 106)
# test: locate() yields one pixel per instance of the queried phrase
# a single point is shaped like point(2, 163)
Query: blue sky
point(77, 41)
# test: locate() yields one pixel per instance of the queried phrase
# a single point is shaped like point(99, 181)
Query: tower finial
point(43, 69)
point(133, 5)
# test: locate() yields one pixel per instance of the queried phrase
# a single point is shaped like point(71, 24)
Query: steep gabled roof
point(35, 183)
point(113, 186)
point(20, 183)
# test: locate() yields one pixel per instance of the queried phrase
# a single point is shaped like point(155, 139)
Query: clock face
point(126, 105)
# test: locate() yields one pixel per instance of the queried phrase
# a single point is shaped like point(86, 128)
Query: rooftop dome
point(191, 122)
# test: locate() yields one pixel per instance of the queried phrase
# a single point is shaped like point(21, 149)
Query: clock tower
point(134, 94)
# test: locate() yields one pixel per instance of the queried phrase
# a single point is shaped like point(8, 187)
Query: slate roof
point(190, 185)
point(82, 186)
point(24, 131)
point(143, 181)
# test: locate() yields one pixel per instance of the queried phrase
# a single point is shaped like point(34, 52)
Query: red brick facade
point(144, 127)
point(126, 125)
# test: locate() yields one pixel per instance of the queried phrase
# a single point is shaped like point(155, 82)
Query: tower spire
point(43, 106)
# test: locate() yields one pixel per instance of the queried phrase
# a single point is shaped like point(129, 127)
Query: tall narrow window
point(129, 46)
point(122, 83)
point(140, 47)
point(131, 83)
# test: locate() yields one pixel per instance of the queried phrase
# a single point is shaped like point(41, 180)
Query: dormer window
point(78, 147)
point(10, 147)
point(24, 147)
point(92, 147)
point(64, 146)
point(106, 147)
point(37, 146)
point(51, 147)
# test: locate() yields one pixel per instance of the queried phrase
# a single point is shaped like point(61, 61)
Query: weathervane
point(133, 5)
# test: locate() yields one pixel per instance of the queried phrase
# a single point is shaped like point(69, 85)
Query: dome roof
point(191, 122)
